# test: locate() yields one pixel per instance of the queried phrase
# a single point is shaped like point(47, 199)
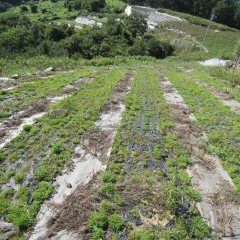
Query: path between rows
point(223, 97)
point(14, 125)
point(219, 205)
point(90, 157)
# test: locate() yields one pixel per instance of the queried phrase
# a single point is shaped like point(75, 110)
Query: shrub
point(98, 219)
point(43, 191)
point(98, 233)
point(115, 222)
point(27, 128)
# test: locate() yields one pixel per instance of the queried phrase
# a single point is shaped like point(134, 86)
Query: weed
point(115, 222)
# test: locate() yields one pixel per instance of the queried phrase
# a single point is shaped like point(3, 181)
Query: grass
point(48, 150)
point(36, 88)
point(197, 20)
point(219, 44)
point(222, 79)
point(220, 123)
point(130, 186)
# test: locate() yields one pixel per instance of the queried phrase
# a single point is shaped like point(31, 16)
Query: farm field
point(138, 135)
point(113, 132)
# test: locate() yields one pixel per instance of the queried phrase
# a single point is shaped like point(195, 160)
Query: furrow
point(90, 157)
point(13, 126)
point(220, 201)
point(223, 97)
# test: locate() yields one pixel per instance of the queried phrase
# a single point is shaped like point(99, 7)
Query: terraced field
point(120, 153)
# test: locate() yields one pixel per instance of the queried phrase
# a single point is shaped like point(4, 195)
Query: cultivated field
point(129, 153)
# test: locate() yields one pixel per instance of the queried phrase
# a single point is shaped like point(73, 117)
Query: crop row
point(145, 192)
point(220, 123)
point(32, 160)
point(35, 89)
point(227, 85)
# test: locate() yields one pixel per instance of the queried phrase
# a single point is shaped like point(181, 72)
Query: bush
point(27, 128)
point(98, 219)
point(115, 222)
point(98, 234)
point(43, 191)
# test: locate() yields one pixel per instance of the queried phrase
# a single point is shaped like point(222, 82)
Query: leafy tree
point(23, 9)
point(136, 24)
point(224, 12)
point(89, 5)
point(34, 8)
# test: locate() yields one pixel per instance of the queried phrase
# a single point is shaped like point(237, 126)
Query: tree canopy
point(226, 11)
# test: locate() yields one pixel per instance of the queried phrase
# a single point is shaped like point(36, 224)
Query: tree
point(34, 8)
point(23, 9)
point(224, 11)
point(136, 24)
point(89, 5)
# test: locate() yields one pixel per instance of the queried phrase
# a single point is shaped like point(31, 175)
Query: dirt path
point(223, 97)
point(13, 126)
point(59, 214)
point(220, 204)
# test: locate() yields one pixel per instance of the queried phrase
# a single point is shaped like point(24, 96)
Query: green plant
point(98, 220)
point(115, 222)
point(27, 128)
point(97, 234)
point(19, 177)
point(43, 191)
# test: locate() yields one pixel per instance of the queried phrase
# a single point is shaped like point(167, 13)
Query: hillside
point(113, 127)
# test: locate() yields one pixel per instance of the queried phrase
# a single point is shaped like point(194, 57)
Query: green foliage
point(19, 216)
point(98, 219)
point(115, 222)
point(109, 177)
point(98, 233)
point(19, 177)
point(238, 49)
point(2, 155)
point(115, 38)
point(89, 5)
point(22, 194)
point(43, 191)
point(226, 11)
point(27, 128)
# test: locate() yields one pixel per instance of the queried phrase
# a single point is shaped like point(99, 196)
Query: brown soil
point(193, 138)
point(73, 214)
point(225, 98)
point(96, 142)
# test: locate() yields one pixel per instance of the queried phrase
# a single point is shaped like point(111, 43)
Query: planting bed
point(33, 94)
point(90, 157)
point(145, 192)
point(219, 204)
point(32, 160)
point(124, 154)
point(220, 123)
point(13, 126)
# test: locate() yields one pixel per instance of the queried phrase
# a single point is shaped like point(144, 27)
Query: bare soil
point(73, 213)
point(219, 205)
point(224, 97)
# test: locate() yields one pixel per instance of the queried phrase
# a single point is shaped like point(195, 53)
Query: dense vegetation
point(20, 35)
point(225, 11)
